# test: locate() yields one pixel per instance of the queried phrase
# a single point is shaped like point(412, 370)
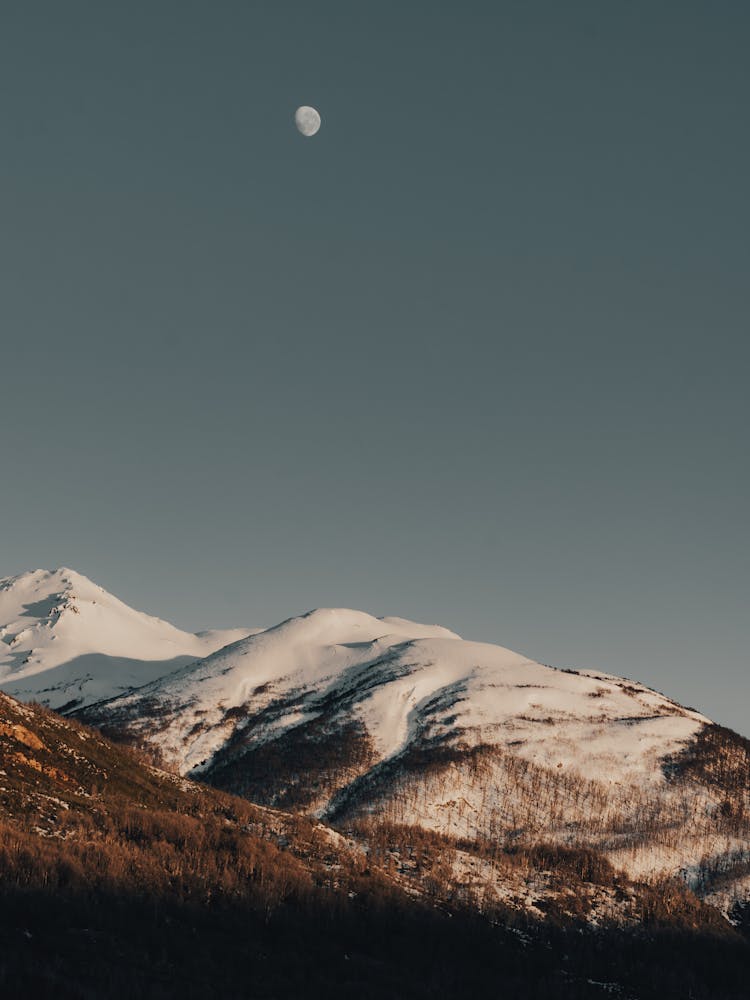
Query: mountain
point(66, 642)
point(108, 863)
point(381, 725)
point(119, 879)
point(360, 721)
point(396, 688)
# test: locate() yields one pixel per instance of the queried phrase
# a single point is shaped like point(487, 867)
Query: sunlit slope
point(354, 718)
point(394, 687)
point(66, 642)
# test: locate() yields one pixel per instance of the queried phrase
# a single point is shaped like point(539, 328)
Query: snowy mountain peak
point(346, 624)
point(67, 642)
point(400, 687)
point(48, 581)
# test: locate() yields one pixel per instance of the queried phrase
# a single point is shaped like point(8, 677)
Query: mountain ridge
point(354, 719)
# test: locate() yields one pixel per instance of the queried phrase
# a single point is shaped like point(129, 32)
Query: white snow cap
point(63, 640)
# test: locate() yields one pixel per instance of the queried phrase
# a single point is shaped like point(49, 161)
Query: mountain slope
point(353, 718)
point(66, 642)
point(398, 687)
point(108, 863)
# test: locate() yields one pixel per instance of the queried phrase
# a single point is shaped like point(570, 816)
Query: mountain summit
point(66, 642)
point(386, 688)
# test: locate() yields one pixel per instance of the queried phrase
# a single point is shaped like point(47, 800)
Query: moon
point(307, 120)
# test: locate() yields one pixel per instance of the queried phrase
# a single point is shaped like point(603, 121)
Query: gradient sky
point(477, 353)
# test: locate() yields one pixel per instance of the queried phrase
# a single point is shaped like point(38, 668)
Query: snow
point(318, 653)
point(65, 640)
point(405, 683)
point(729, 894)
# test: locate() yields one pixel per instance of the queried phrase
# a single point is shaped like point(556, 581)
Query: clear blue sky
point(477, 353)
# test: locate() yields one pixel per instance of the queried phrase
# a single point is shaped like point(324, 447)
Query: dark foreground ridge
point(119, 880)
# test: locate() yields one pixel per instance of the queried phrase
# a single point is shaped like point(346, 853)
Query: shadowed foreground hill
point(116, 878)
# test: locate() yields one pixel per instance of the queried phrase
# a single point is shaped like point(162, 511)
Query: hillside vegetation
point(117, 877)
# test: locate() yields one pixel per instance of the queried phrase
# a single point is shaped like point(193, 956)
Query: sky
point(476, 354)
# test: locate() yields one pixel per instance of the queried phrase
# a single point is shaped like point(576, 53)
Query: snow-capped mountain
point(66, 642)
point(401, 686)
point(351, 717)
point(357, 719)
